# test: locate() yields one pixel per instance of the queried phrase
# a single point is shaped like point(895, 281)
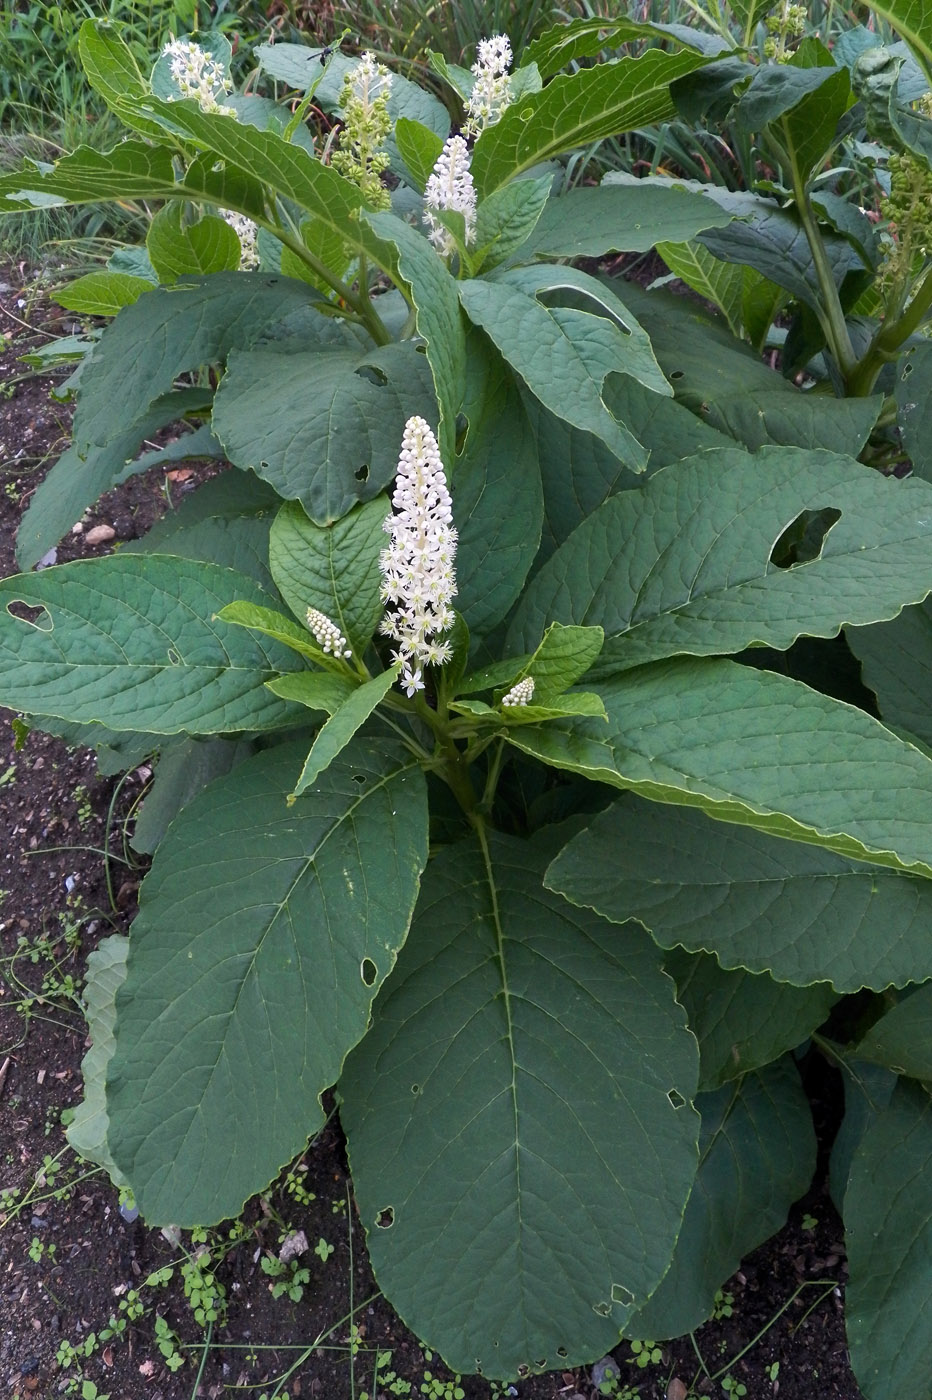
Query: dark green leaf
point(896, 664)
point(902, 1039)
point(621, 217)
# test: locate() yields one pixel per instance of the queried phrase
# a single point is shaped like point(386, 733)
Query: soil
point(78, 1306)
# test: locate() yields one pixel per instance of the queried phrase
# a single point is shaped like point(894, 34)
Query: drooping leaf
point(578, 108)
point(896, 664)
point(757, 749)
point(438, 317)
point(686, 565)
point(742, 1020)
point(128, 640)
point(87, 1131)
point(888, 1235)
point(263, 935)
point(496, 491)
point(757, 1153)
point(508, 1039)
point(323, 427)
point(719, 282)
point(334, 568)
point(902, 1038)
point(800, 913)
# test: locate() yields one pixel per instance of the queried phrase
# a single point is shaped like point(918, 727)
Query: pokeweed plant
point(488, 792)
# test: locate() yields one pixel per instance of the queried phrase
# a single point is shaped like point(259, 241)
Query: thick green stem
point(359, 302)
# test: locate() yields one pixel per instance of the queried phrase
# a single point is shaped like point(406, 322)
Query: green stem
point(358, 301)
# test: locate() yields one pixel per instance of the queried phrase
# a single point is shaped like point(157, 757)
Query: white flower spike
point(520, 694)
point(327, 634)
point(418, 579)
point(491, 92)
point(247, 232)
point(198, 74)
point(450, 186)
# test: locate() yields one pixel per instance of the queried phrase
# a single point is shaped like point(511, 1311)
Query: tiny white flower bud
point(198, 74)
point(327, 634)
point(521, 693)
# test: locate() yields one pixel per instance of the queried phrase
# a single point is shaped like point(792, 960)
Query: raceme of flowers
point(520, 694)
point(366, 124)
point(418, 579)
point(450, 187)
point(198, 74)
point(491, 92)
point(327, 634)
point(247, 232)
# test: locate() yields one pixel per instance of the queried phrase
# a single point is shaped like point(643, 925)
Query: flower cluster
point(366, 124)
point(520, 694)
point(491, 92)
point(327, 634)
point(788, 24)
point(450, 187)
point(247, 232)
point(418, 581)
point(198, 74)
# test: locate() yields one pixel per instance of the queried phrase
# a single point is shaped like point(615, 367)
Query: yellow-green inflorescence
point(784, 27)
point(908, 212)
point(366, 125)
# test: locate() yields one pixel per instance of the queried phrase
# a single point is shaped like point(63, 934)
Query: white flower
point(247, 232)
point(418, 579)
point(327, 634)
point(521, 693)
point(491, 92)
point(450, 186)
point(198, 74)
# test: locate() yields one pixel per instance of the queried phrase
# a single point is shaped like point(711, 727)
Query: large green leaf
point(902, 1039)
point(757, 749)
point(177, 248)
point(888, 1228)
point(519, 1161)
point(684, 565)
point(263, 935)
point(132, 170)
point(757, 1155)
point(742, 1020)
point(896, 664)
point(868, 1090)
point(184, 767)
point(496, 491)
point(324, 427)
point(578, 108)
point(587, 222)
point(562, 353)
point(587, 38)
point(438, 318)
point(911, 19)
point(913, 391)
point(804, 105)
point(728, 386)
point(798, 912)
point(334, 568)
point(129, 640)
point(85, 471)
point(87, 1131)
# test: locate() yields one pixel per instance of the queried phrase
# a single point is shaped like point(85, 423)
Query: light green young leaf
point(324, 691)
point(757, 1154)
point(742, 1020)
point(577, 702)
point(888, 1235)
point(578, 108)
point(537, 1016)
point(342, 725)
point(902, 1038)
point(326, 244)
point(419, 148)
point(563, 656)
point(269, 623)
point(587, 222)
point(129, 640)
point(785, 907)
point(757, 749)
point(102, 293)
point(719, 282)
point(265, 932)
point(323, 426)
point(684, 566)
point(433, 292)
point(177, 248)
point(896, 664)
point(87, 1131)
point(334, 568)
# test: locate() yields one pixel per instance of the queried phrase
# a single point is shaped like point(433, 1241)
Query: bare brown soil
point(69, 1261)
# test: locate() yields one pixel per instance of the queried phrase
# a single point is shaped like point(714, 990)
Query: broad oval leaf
point(686, 564)
point(888, 1229)
point(519, 1161)
point(587, 222)
point(801, 913)
point(902, 1039)
point(263, 935)
point(757, 749)
point(130, 641)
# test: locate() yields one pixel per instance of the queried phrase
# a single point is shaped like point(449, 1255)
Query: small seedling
point(723, 1306)
point(809, 1222)
point(645, 1354)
